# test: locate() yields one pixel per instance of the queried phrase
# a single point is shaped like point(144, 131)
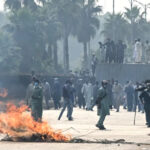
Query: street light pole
point(113, 7)
point(113, 20)
point(131, 22)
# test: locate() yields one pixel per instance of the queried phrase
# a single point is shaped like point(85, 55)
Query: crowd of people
point(111, 52)
point(86, 93)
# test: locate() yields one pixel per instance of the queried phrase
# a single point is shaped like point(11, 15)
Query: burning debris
point(18, 125)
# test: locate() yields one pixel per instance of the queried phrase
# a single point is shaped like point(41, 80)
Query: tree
point(132, 16)
point(10, 55)
point(67, 14)
point(50, 30)
point(13, 4)
point(120, 27)
point(88, 23)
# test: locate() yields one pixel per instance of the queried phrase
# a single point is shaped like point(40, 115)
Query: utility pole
point(113, 20)
point(145, 12)
point(131, 22)
point(145, 6)
point(113, 7)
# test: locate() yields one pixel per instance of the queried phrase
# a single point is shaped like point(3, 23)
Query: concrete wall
point(123, 72)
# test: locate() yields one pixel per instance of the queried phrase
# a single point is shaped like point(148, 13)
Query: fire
point(3, 92)
point(17, 123)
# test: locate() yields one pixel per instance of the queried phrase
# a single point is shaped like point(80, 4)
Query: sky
point(121, 4)
point(107, 5)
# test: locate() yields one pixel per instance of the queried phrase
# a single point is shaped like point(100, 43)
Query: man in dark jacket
point(102, 105)
point(67, 101)
point(56, 93)
point(129, 90)
point(145, 99)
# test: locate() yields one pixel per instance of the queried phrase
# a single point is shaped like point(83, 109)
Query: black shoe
point(102, 127)
point(148, 125)
point(70, 119)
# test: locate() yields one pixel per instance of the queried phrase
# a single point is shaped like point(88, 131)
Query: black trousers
point(147, 113)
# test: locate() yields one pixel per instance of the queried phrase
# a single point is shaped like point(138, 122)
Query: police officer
point(56, 93)
point(36, 101)
point(67, 101)
point(145, 99)
point(102, 105)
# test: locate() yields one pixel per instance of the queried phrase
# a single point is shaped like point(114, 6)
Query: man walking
point(67, 101)
point(36, 101)
point(102, 105)
point(145, 99)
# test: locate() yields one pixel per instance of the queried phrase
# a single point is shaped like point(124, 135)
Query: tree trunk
point(55, 56)
point(85, 55)
point(66, 53)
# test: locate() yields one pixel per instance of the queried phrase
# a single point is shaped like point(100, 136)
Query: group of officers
point(112, 52)
point(101, 97)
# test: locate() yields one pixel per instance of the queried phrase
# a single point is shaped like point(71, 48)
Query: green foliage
point(88, 22)
point(116, 24)
point(9, 54)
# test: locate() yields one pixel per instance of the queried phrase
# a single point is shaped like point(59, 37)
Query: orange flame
point(17, 122)
point(3, 92)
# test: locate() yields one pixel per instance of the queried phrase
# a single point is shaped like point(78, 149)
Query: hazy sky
point(120, 4)
point(107, 5)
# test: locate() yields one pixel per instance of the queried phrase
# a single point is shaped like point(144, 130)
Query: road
point(121, 134)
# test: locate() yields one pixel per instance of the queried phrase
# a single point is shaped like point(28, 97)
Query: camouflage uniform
point(103, 106)
point(36, 103)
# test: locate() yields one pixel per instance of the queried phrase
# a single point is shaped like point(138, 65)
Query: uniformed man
point(67, 101)
point(108, 51)
point(102, 105)
point(36, 101)
point(129, 90)
point(56, 93)
point(145, 99)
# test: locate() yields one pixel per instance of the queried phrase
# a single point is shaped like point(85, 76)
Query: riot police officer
point(102, 105)
point(145, 99)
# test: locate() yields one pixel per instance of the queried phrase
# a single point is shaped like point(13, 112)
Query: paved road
point(119, 128)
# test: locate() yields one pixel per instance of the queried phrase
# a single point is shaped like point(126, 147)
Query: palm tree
point(132, 16)
point(13, 4)
point(87, 25)
point(50, 28)
point(67, 14)
point(120, 27)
